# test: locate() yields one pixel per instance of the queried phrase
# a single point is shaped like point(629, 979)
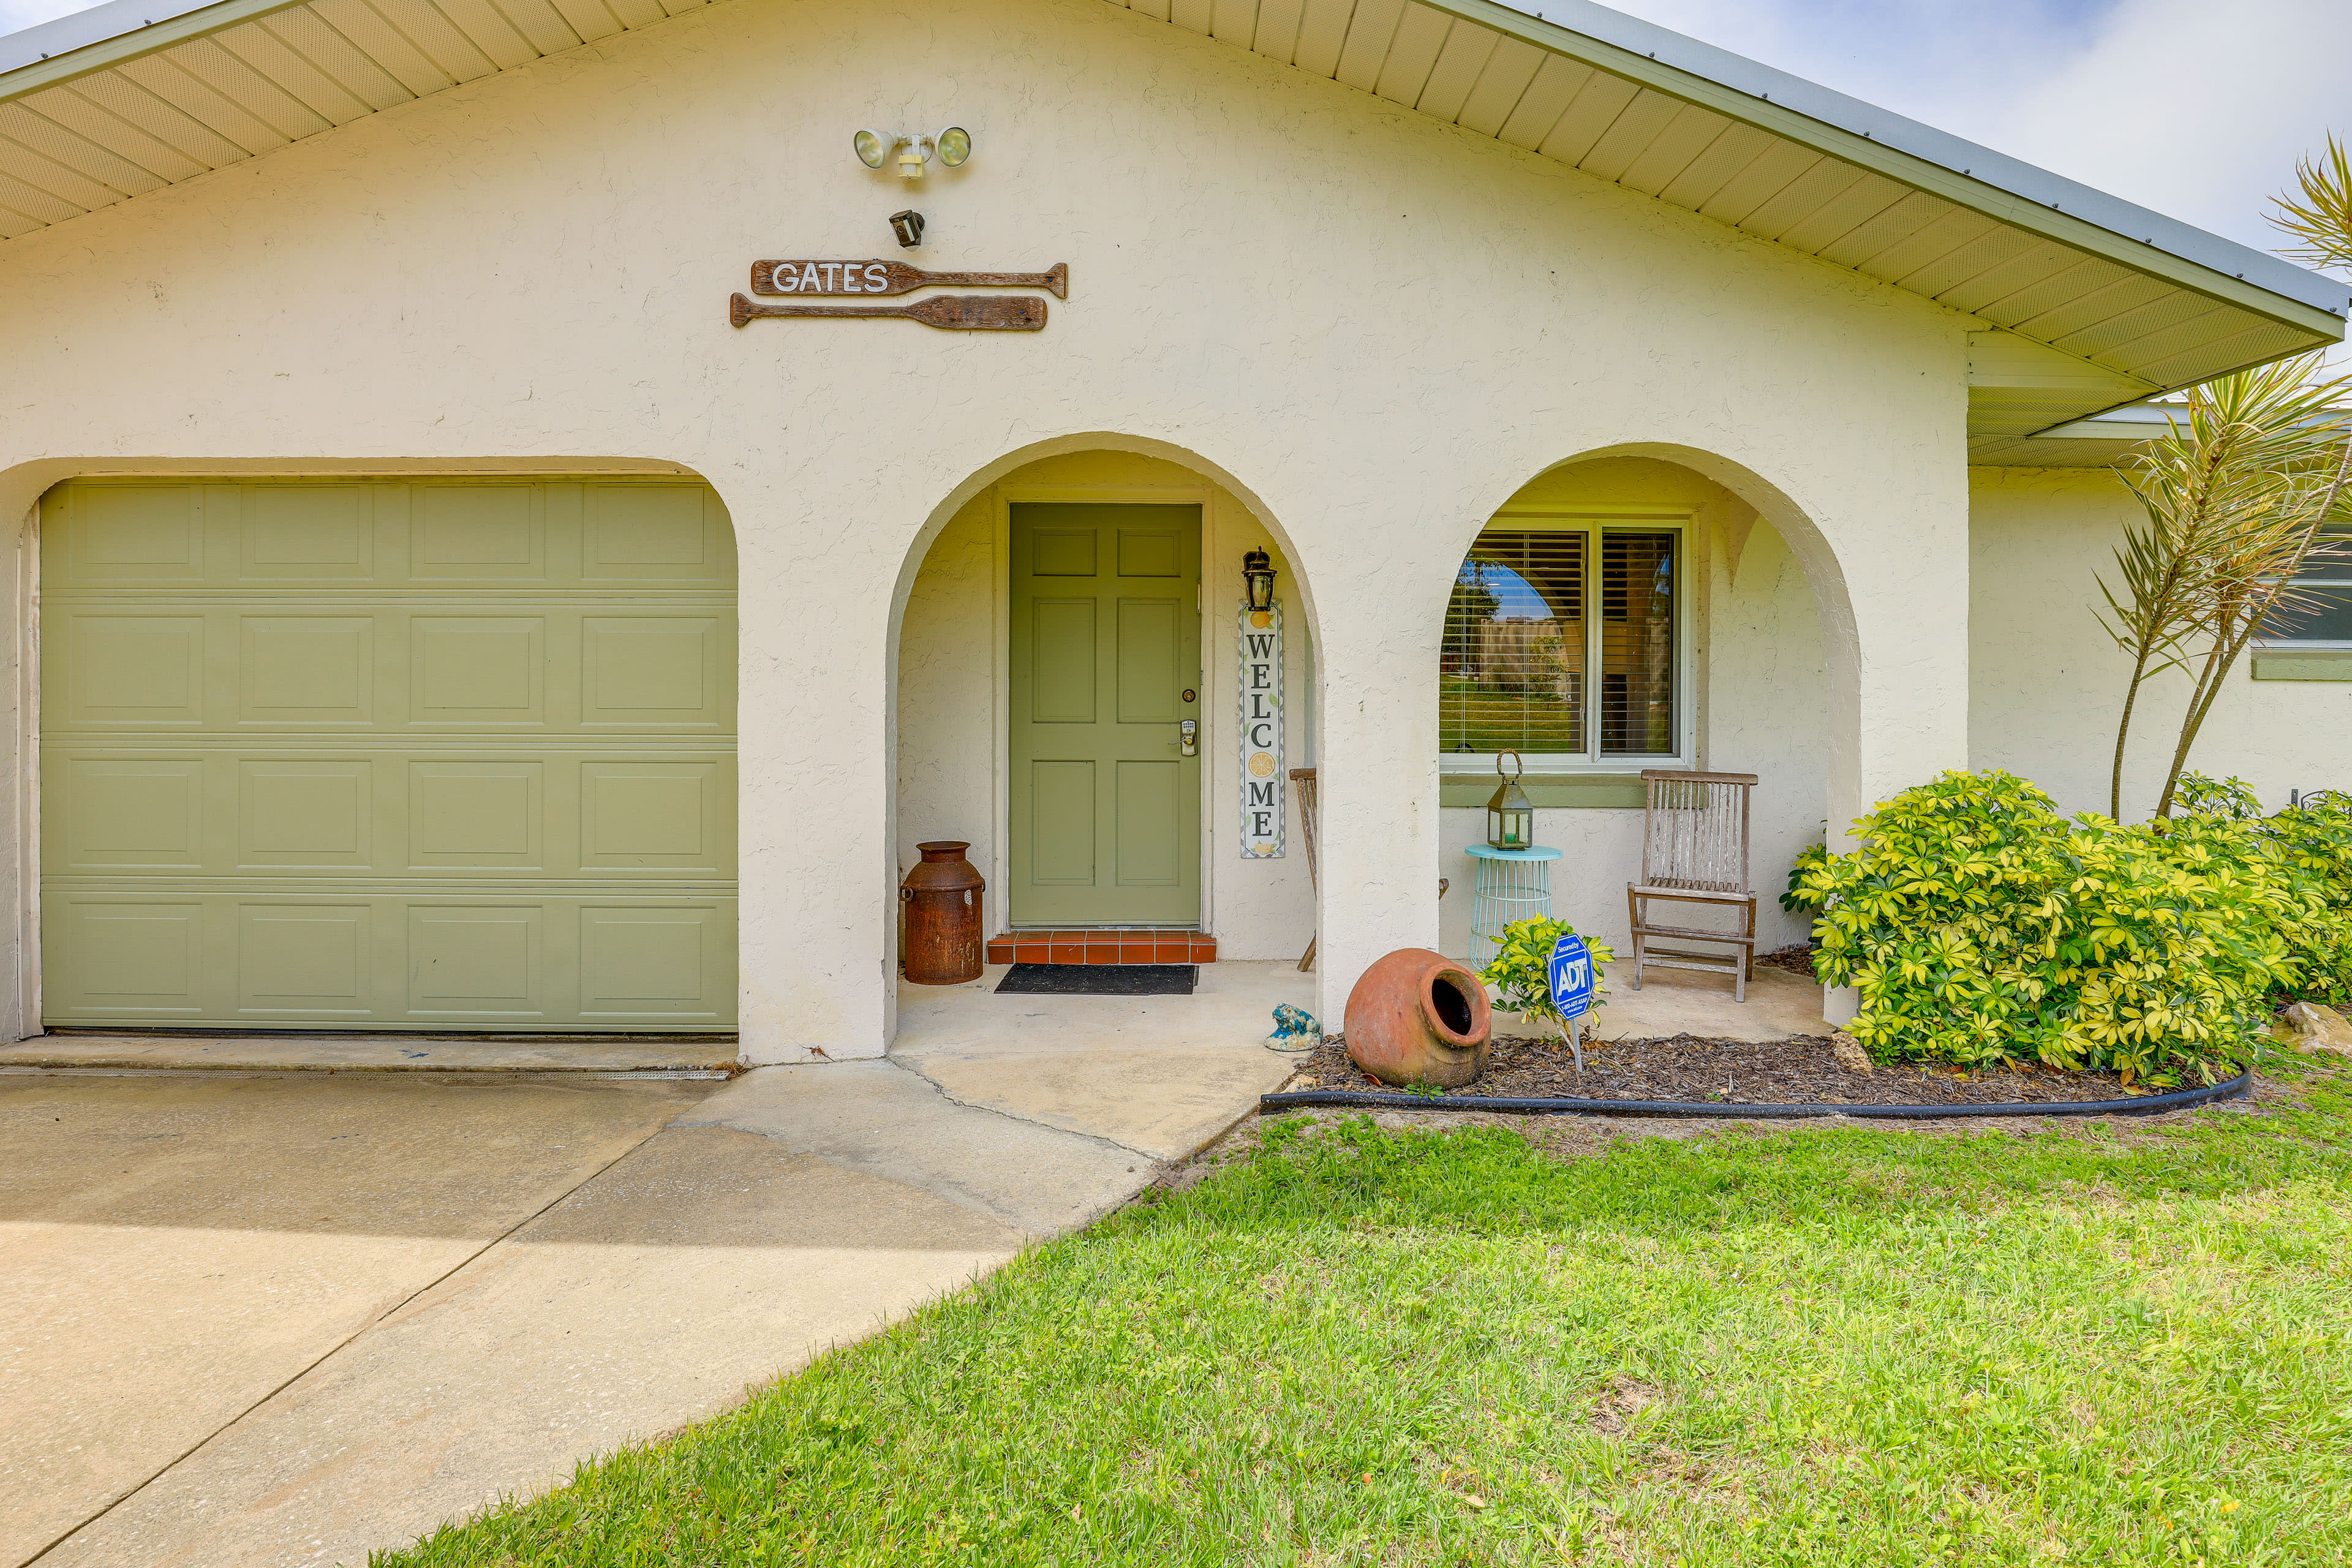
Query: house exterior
point(433, 610)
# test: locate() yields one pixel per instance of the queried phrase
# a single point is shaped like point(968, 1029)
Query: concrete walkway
point(282, 1319)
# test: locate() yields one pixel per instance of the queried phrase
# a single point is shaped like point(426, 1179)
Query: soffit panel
point(1691, 143)
point(203, 90)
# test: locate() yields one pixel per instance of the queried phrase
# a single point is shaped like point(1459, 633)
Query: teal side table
point(1512, 885)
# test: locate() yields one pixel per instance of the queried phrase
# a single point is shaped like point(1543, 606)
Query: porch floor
point(1160, 1075)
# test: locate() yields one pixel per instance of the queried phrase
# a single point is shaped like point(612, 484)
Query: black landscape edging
point(2237, 1087)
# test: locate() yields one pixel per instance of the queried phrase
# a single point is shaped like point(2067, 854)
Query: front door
point(1106, 809)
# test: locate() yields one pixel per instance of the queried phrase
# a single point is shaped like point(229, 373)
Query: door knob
point(1191, 730)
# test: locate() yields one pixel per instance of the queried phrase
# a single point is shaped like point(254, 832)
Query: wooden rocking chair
point(1695, 850)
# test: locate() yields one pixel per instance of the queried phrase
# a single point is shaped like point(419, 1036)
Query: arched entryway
point(1061, 623)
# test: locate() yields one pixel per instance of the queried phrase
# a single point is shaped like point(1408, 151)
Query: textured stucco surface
point(2048, 684)
point(1369, 329)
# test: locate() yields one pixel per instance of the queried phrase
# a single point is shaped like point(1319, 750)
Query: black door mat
point(1100, 980)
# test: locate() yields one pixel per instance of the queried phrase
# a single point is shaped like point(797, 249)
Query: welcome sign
point(1261, 722)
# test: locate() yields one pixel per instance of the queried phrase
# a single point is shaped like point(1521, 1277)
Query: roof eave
point(1921, 156)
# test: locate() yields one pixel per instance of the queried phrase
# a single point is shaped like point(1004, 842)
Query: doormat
point(1099, 980)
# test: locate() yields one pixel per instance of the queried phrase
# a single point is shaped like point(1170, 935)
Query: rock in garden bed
point(1801, 1070)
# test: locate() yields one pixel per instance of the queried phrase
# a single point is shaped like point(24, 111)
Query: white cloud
point(2194, 109)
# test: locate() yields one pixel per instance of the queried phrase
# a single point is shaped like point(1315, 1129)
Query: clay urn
point(1417, 1016)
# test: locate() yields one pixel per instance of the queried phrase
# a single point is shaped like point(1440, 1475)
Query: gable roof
point(2087, 303)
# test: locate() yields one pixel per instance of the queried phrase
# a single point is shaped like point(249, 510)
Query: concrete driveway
point(283, 1319)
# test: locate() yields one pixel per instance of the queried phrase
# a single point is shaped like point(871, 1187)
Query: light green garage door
point(370, 755)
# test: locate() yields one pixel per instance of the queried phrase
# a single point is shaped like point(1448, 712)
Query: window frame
point(2339, 575)
point(1593, 521)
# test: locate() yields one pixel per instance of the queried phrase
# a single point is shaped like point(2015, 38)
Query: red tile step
point(1103, 945)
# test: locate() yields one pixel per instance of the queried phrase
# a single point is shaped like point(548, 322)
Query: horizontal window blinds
point(1511, 673)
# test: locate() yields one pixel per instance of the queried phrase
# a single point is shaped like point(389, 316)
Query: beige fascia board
point(1905, 168)
point(125, 47)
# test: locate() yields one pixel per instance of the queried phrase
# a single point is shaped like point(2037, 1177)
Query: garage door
point(368, 755)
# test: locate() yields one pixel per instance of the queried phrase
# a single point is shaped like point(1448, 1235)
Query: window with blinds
point(1525, 667)
point(2322, 611)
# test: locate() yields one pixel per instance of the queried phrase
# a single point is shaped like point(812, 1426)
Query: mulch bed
point(1798, 961)
point(1801, 1071)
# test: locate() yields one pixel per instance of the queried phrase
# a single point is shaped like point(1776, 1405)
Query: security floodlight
point(873, 147)
point(955, 145)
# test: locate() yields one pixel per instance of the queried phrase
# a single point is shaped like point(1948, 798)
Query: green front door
point(388, 754)
point(1106, 810)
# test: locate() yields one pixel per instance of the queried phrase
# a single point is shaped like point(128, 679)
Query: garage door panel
point(478, 533)
point(657, 966)
point(657, 533)
point(306, 671)
point(111, 814)
point(478, 672)
point(672, 817)
point(305, 533)
point(126, 536)
point(483, 961)
point(388, 754)
point(476, 815)
point(306, 815)
point(663, 672)
point(130, 671)
point(123, 960)
point(305, 961)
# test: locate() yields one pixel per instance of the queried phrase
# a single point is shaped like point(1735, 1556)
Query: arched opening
point(1631, 609)
point(1063, 617)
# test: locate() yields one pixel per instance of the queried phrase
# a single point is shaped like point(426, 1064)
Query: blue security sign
point(1571, 976)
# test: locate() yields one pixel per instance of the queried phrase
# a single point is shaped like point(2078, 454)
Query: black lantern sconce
point(1257, 570)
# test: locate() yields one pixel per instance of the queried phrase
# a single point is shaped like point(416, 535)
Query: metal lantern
point(1510, 816)
point(1257, 570)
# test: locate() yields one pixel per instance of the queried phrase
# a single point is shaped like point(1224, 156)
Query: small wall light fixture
point(1257, 571)
point(909, 227)
point(874, 149)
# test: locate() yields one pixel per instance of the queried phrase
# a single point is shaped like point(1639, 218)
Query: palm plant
point(2238, 491)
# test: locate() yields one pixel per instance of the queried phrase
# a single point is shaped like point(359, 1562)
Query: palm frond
point(2318, 217)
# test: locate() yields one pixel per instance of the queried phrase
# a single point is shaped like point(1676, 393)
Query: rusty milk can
point(941, 896)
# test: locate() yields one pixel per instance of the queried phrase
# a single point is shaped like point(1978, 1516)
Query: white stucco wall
point(2048, 684)
point(1368, 328)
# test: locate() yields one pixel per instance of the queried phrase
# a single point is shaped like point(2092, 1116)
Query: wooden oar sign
point(831, 277)
point(950, 312)
point(953, 313)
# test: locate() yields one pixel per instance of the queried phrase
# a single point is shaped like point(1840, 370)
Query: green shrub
point(2316, 840)
point(1521, 968)
point(1981, 927)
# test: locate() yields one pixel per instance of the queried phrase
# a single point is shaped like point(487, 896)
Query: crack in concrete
point(941, 1090)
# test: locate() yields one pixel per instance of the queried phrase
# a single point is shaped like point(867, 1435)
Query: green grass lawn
point(2129, 1344)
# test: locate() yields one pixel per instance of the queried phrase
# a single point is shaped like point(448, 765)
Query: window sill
point(1553, 792)
point(2287, 662)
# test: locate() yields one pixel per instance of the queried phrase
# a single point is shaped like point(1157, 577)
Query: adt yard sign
point(1571, 976)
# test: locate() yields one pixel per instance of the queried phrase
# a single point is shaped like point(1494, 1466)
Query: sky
point(2196, 108)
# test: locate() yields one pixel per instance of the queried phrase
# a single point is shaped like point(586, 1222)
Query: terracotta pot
point(1417, 1016)
point(941, 895)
